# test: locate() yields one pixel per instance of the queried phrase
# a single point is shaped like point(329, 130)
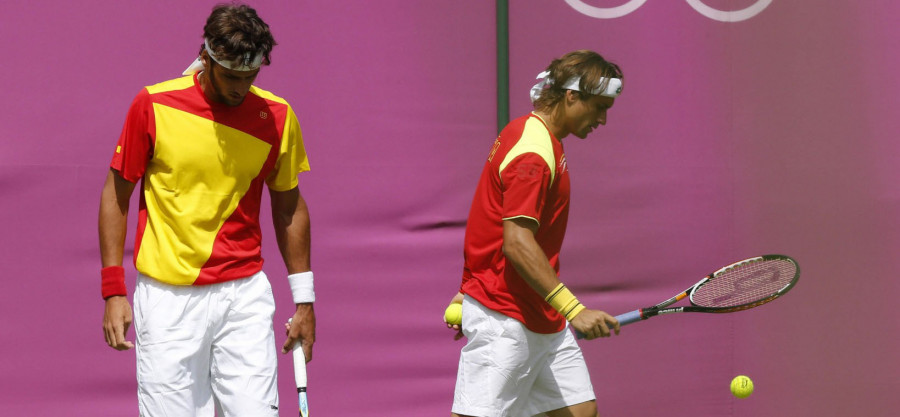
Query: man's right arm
point(522, 250)
point(112, 225)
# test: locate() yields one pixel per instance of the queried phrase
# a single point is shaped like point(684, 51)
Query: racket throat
point(668, 311)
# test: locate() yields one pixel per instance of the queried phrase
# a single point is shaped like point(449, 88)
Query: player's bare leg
point(585, 409)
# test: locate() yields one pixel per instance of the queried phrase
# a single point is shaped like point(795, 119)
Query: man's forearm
point(527, 257)
point(113, 219)
point(290, 216)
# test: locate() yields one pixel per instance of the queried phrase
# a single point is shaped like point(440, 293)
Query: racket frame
point(659, 309)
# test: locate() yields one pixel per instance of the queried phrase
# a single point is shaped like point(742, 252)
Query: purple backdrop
point(775, 134)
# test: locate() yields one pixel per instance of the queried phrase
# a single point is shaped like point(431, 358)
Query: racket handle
point(300, 376)
point(299, 366)
point(629, 317)
point(623, 319)
point(300, 379)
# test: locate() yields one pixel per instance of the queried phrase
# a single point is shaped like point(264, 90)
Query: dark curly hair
point(235, 30)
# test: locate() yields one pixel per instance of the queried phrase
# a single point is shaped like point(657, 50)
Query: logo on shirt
point(263, 115)
point(561, 168)
point(528, 171)
point(494, 149)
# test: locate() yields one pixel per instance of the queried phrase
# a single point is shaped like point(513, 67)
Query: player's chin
point(584, 133)
point(233, 100)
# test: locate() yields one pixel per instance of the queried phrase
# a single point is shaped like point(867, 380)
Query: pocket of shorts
point(158, 335)
point(160, 325)
point(161, 316)
point(255, 300)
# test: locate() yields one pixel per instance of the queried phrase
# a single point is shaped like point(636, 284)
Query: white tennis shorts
point(508, 370)
point(206, 348)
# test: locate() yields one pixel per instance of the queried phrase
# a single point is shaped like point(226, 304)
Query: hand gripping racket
point(739, 286)
point(300, 378)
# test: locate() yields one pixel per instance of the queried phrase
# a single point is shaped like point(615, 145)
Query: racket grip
point(299, 366)
point(623, 319)
point(300, 379)
point(629, 317)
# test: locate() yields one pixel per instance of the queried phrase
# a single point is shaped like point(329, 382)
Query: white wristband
point(302, 287)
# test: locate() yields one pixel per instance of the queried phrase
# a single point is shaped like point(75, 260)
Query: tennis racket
point(300, 377)
point(736, 287)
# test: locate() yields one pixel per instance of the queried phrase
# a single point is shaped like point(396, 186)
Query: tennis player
point(204, 145)
point(519, 359)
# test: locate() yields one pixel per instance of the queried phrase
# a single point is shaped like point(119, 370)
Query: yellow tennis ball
point(741, 386)
point(453, 313)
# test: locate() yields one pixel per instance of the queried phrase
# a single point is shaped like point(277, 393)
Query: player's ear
point(204, 57)
point(572, 96)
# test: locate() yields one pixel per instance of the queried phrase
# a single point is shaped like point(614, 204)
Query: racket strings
point(746, 283)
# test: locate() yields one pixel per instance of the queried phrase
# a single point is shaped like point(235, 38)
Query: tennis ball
point(741, 386)
point(453, 313)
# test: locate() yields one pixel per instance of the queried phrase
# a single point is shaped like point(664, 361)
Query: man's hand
point(301, 329)
point(116, 321)
point(458, 298)
point(595, 323)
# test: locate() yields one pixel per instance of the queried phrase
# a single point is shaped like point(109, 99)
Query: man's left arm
point(290, 217)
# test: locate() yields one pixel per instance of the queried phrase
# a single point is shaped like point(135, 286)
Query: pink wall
point(775, 134)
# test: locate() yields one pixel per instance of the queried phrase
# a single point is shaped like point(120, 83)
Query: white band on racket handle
point(300, 379)
point(627, 318)
point(299, 366)
point(302, 287)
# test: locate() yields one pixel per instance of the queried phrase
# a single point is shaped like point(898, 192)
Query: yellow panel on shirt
point(195, 181)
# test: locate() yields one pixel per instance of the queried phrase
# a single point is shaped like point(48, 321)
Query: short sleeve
point(135, 146)
point(292, 158)
point(525, 182)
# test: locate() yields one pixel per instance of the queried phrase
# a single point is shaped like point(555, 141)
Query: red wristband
point(112, 281)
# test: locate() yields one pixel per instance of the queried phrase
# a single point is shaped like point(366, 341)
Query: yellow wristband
point(564, 302)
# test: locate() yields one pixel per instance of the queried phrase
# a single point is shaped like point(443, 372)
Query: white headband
point(249, 63)
point(613, 87)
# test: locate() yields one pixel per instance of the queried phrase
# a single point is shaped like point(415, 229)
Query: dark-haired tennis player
point(519, 359)
point(204, 146)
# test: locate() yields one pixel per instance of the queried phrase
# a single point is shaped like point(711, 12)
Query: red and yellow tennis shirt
point(525, 176)
point(203, 166)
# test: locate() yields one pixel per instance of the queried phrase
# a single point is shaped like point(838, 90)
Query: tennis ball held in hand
point(741, 386)
point(453, 314)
